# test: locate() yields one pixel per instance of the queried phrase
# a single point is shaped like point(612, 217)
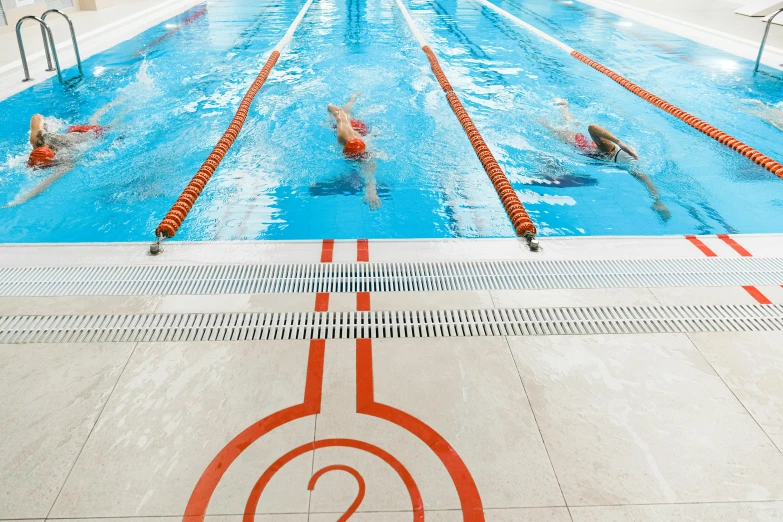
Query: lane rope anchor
point(157, 247)
point(532, 242)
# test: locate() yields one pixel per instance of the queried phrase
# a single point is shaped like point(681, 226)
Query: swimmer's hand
point(372, 200)
point(627, 148)
point(662, 210)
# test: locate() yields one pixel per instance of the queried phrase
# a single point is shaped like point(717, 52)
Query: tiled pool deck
point(538, 428)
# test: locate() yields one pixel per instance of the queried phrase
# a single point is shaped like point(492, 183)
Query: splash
point(142, 88)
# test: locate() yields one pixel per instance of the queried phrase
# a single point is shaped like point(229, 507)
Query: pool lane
point(428, 179)
point(714, 85)
point(178, 96)
point(509, 77)
point(285, 178)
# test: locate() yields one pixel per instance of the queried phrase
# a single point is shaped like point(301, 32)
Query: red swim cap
point(86, 128)
point(354, 147)
point(41, 158)
point(360, 127)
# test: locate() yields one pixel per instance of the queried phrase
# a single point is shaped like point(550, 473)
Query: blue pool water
point(178, 85)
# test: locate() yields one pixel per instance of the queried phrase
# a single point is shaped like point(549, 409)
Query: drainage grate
point(388, 324)
point(388, 277)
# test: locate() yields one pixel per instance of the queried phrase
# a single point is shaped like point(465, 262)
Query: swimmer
point(57, 151)
point(350, 134)
point(771, 115)
point(605, 146)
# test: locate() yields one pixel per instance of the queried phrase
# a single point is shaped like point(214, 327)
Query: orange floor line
point(736, 246)
point(707, 251)
point(754, 292)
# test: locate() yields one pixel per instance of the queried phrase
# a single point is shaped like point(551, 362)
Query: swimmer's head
point(41, 158)
point(354, 148)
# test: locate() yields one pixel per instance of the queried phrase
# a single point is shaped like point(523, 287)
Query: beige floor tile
point(704, 295)
point(74, 305)
point(468, 391)
point(728, 512)
point(617, 247)
point(490, 515)
point(632, 419)
point(342, 302)
point(430, 300)
point(298, 517)
point(175, 408)
point(236, 303)
point(773, 293)
point(51, 397)
point(761, 245)
point(720, 247)
point(507, 515)
point(345, 251)
point(392, 251)
point(751, 364)
point(451, 250)
point(399, 516)
point(575, 297)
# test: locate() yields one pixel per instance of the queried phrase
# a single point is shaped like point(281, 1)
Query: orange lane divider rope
point(702, 126)
point(516, 211)
point(714, 133)
point(171, 223)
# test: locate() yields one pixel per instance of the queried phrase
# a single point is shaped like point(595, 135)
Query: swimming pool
point(179, 83)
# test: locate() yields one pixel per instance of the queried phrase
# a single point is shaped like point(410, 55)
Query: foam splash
point(531, 198)
point(142, 88)
point(56, 124)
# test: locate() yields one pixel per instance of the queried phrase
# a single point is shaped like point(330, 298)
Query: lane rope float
point(698, 124)
point(176, 215)
point(517, 213)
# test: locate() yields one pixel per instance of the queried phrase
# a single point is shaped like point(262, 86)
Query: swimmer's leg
point(60, 171)
point(95, 118)
point(563, 134)
point(334, 109)
point(344, 130)
point(348, 107)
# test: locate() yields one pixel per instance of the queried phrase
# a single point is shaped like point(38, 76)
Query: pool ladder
point(764, 40)
point(48, 40)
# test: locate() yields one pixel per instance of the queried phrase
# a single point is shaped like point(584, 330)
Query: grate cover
point(388, 277)
point(389, 324)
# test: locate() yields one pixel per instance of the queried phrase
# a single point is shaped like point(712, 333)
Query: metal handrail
point(764, 40)
point(73, 35)
point(45, 30)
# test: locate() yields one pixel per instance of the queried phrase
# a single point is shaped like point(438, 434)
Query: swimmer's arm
point(370, 189)
point(658, 205)
point(96, 118)
point(59, 171)
point(645, 179)
point(36, 139)
point(563, 134)
point(601, 136)
point(565, 112)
